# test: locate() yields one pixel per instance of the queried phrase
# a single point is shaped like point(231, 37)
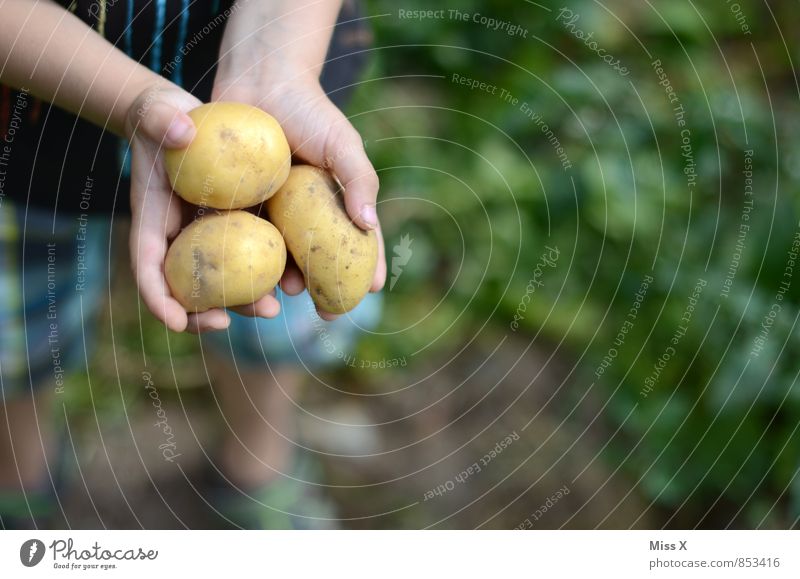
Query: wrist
point(289, 84)
point(267, 74)
point(270, 43)
point(268, 87)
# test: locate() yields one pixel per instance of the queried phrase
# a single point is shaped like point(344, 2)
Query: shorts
point(55, 279)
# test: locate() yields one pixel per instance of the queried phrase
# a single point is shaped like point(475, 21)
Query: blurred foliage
point(478, 186)
point(480, 189)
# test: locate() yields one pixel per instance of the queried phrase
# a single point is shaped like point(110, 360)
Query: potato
point(224, 259)
point(337, 258)
point(238, 158)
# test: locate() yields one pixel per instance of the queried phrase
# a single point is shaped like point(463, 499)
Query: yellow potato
point(224, 259)
point(337, 258)
point(238, 158)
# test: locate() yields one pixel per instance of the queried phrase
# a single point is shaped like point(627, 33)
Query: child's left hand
point(282, 82)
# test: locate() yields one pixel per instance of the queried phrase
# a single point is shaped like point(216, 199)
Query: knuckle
point(371, 181)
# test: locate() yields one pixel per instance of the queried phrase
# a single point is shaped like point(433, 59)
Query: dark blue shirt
point(47, 155)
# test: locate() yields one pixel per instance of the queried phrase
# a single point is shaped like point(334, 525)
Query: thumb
point(168, 125)
point(162, 122)
point(345, 154)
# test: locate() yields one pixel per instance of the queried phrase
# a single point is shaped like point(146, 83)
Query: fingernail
point(180, 132)
point(369, 216)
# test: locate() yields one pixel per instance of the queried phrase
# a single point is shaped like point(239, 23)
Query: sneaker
point(287, 502)
point(20, 510)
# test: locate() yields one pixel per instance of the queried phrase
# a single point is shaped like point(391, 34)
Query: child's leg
point(25, 440)
point(258, 415)
point(259, 365)
point(26, 459)
point(52, 276)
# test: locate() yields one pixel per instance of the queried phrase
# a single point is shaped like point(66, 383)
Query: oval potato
point(337, 258)
point(223, 260)
point(238, 158)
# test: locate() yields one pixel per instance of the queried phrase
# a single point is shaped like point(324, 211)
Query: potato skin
point(337, 258)
point(238, 158)
point(224, 259)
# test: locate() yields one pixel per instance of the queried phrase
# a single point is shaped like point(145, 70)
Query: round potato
point(224, 259)
point(238, 158)
point(337, 258)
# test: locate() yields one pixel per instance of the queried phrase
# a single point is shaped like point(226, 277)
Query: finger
point(379, 279)
point(292, 282)
point(166, 125)
point(345, 154)
point(327, 316)
point(209, 321)
point(147, 257)
point(159, 119)
point(266, 307)
point(155, 218)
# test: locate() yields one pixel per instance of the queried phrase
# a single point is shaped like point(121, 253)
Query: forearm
point(57, 57)
point(278, 39)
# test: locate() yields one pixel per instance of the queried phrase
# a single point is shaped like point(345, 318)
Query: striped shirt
point(48, 155)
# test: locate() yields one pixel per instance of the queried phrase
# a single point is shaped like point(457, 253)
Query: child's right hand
point(157, 120)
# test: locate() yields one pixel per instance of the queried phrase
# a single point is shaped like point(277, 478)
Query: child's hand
point(155, 121)
point(319, 134)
